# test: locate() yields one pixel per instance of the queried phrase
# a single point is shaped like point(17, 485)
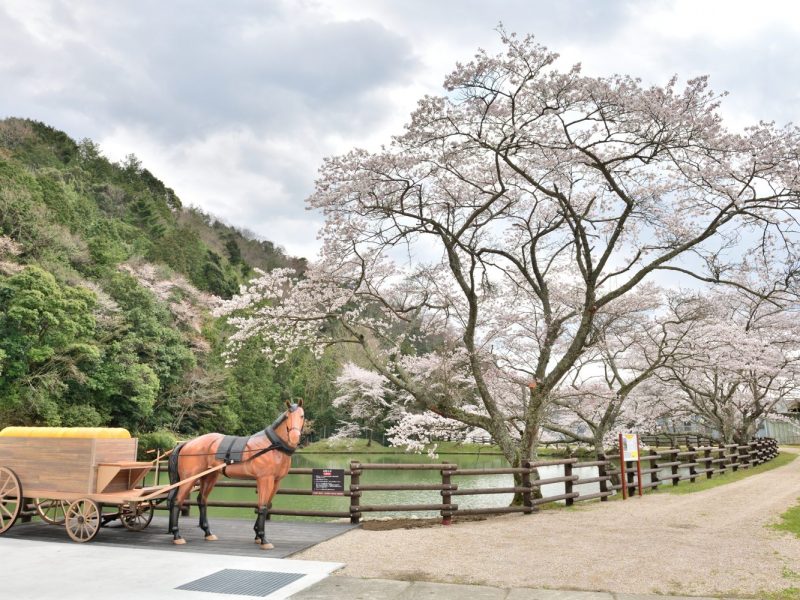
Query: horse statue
point(264, 456)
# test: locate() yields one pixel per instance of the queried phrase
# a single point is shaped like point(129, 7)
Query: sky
point(234, 105)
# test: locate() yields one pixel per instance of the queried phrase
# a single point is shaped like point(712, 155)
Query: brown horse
point(265, 456)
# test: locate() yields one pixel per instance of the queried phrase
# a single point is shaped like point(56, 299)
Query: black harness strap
point(277, 443)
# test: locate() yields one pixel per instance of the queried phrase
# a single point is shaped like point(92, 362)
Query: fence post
point(447, 471)
point(157, 474)
point(654, 475)
point(602, 472)
point(753, 450)
point(568, 483)
point(744, 458)
point(629, 473)
point(527, 497)
point(723, 455)
point(708, 464)
point(734, 458)
point(355, 492)
point(673, 458)
point(693, 462)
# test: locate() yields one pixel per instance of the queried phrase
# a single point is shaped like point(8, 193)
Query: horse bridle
point(289, 430)
point(278, 443)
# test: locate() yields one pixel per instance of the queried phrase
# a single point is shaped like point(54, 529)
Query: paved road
point(387, 589)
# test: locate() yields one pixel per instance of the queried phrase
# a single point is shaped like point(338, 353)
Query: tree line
point(106, 285)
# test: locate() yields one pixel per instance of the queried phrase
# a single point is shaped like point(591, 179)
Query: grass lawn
point(790, 521)
point(792, 593)
point(684, 487)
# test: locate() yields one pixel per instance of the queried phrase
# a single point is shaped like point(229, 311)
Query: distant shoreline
point(357, 451)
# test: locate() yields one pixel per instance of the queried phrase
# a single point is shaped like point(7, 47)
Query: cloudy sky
point(234, 104)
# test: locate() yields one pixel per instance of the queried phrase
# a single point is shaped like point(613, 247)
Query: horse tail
point(172, 469)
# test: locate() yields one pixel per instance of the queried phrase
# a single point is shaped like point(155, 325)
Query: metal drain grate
point(241, 582)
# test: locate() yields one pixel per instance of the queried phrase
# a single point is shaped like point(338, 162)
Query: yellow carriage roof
point(66, 432)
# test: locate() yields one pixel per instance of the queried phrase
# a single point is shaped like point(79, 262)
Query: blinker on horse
point(265, 456)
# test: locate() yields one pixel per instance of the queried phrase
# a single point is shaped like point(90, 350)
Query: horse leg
point(265, 487)
point(175, 502)
point(207, 484)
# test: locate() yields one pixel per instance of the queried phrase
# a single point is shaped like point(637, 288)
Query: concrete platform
point(235, 536)
point(36, 570)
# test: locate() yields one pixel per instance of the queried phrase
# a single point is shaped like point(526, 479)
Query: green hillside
point(106, 284)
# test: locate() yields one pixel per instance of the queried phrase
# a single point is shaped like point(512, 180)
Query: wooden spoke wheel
point(83, 520)
point(136, 516)
point(11, 500)
point(52, 512)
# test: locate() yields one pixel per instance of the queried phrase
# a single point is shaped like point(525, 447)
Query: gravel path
point(707, 543)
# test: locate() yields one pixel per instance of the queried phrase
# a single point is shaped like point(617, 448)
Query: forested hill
point(106, 279)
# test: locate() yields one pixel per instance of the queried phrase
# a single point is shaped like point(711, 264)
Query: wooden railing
point(673, 440)
point(696, 462)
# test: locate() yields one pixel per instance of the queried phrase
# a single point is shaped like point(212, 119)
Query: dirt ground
point(715, 542)
point(387, 524)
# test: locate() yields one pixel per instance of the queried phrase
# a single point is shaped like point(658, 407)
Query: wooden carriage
point(70, 474)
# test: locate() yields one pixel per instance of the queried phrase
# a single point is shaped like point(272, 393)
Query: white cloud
point(235, 107)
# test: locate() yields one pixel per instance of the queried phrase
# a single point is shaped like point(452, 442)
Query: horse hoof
point(266, 546)
point(179, 542)
point(211, 538)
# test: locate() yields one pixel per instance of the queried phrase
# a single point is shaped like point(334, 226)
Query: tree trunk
point(599, 435)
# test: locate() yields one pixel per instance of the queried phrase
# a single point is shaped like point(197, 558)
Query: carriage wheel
point(52, 512)
point(10, 498)
point(83, 520)
point(136, 516)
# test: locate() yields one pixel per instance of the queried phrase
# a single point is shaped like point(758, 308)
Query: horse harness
point(232, 448)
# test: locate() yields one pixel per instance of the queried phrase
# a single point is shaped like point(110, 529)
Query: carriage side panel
point(50, 464)
point(62, 465)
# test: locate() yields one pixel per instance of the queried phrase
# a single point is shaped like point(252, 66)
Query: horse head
point(292, 420)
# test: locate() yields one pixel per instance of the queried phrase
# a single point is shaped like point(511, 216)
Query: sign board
point(629, 452)
point(327, 482)
point(630, 446)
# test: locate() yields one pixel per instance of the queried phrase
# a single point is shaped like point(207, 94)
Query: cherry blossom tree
point(513, 212)
point(369, 399)
point(609, 387)
point(739, 363)
point(366, 400)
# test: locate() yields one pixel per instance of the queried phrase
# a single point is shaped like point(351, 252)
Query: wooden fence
point(695, 462)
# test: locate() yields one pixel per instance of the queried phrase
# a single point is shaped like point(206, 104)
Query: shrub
point(155, 440)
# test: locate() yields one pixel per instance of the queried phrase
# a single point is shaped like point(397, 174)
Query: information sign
point(629, 453)
point(327, 482)
point(630, 446)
